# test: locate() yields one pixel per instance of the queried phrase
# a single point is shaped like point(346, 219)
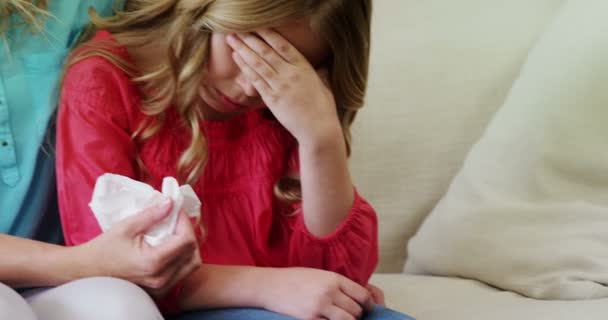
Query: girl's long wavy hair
point(188, 24)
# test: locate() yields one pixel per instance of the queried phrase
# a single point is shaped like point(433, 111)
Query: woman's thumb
point(143, 221)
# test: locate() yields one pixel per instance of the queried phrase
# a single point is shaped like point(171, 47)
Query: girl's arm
point(327, 188)
point(298, 292)
point(214, 286)
point(337, 229)
point(303, 103)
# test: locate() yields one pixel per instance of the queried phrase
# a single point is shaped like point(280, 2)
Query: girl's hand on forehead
point(291, 88)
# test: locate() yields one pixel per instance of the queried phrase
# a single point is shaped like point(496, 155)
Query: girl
point(35, 37)
point(225, 95)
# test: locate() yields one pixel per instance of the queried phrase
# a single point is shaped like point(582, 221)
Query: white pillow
point(528, 212)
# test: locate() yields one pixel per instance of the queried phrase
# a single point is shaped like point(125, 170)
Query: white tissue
point(116, 197)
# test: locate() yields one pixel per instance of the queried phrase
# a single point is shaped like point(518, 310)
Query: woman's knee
point(95, 298)
point(13, 306)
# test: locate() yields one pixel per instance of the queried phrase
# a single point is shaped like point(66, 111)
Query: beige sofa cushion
point(529, 210)
point(435, 298)
point(439, 70)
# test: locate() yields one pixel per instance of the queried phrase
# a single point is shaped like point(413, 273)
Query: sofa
point(440, 70)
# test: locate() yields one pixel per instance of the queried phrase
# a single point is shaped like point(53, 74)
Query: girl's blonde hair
point(28, 12)
point(188, 24)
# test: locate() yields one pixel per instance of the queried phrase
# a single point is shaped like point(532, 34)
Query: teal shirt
point(29, 72)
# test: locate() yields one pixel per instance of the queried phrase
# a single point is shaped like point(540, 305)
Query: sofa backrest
point(439, 71)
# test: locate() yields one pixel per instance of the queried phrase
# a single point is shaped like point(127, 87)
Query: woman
point(35, 38)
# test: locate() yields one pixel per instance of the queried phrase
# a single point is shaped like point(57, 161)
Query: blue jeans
point(379, 313)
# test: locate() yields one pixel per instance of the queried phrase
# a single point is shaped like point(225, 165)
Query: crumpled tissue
point(117, 197)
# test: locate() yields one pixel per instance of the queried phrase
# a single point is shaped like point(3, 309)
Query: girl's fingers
point(281, 46)
point(358, 293)
point(324, 76)
point(262, 49)
point(377, 294)
point(253, 61)
point(258, 82)
point(333, 312)
point(349, 305)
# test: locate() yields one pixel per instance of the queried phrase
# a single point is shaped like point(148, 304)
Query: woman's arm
point(29, 263)
point(121, 252)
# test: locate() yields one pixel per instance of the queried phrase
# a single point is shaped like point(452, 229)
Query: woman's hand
point(297, 95)
point(314, 294)
point(122, 252)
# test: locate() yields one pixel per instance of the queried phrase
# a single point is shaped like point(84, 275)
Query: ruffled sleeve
point(351, 250)
point(93, 138)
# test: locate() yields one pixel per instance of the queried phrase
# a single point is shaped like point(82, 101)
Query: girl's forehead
point(301, 35)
